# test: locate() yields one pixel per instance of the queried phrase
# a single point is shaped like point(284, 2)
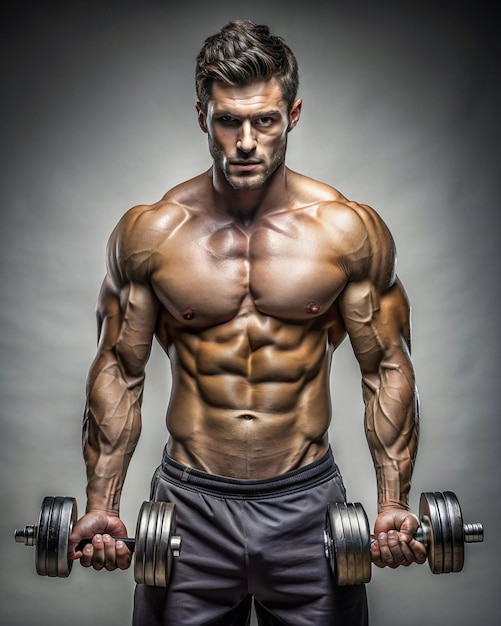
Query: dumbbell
point(347, 537)
point(154, 545)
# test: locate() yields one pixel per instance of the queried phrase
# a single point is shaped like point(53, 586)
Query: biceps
point(126, 322)
point(378, 325)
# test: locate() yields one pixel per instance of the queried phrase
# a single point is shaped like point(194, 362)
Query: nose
point(246, 141)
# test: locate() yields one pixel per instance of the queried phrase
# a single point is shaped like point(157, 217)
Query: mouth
point(245, 166)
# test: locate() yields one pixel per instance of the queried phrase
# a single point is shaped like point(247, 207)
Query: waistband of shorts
point(305, 477)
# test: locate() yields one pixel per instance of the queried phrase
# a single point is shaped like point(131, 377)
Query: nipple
point(189, 314)
point(312, 308)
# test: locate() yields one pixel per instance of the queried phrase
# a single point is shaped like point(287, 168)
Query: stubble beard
point(247, 181)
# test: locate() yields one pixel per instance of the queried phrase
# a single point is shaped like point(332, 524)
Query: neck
point(245, 204)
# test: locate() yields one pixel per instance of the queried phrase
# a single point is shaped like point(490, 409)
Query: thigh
point(348, 609)
point(151, 609)
point(291, 576)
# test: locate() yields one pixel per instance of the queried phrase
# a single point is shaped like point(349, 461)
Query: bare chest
point(208, 276)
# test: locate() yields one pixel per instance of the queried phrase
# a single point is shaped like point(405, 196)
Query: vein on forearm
point(112, 421)
point(379, 331)
point(391, 426)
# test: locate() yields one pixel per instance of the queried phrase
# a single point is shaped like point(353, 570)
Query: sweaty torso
point(249, 320)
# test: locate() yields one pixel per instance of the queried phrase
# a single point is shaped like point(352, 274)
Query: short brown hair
point(241, 53)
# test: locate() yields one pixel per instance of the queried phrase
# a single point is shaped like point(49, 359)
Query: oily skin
point(249, 276)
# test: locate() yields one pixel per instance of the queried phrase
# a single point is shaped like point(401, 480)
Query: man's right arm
point(127, 312)
point(112, 421)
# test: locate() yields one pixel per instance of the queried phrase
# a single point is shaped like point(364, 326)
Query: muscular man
point(250, 275)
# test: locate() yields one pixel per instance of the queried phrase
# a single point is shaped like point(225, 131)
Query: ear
point(295, 114)
point(202, 119)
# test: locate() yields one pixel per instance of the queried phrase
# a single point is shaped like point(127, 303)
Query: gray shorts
point(245, 539)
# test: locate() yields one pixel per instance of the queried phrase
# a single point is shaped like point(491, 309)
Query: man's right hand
point(103, 551)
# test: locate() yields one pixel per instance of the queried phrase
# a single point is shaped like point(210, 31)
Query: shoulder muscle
point(375, 261)
point(135, 241)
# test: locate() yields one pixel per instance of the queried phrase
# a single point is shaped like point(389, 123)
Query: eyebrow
point(270, 113)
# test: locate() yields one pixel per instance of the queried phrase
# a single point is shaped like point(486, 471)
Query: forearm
point(112, 425)
point(392, 428)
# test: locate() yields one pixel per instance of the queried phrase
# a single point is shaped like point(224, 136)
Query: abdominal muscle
point(249, 405)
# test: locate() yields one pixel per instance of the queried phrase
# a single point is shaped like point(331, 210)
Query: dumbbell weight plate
point(436, 523)
point(365, 562)
point(57, 516)
point(336, 546)
point(446, 539)
point(153, 554)
point(361, 534)
point(457, 530)
point(343, 546)
point(348, 533)
point(42, 531)
point(329, 535)
point(430, 522)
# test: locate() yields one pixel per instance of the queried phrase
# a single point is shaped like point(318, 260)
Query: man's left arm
point(376, 312)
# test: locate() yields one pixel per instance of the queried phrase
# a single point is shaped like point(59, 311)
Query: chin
point(253, 181)
point(246, 183)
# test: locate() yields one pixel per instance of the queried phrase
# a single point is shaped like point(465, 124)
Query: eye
point(264, 121)
point(227, 120)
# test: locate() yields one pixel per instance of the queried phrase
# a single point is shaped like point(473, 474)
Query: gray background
point(401, 111)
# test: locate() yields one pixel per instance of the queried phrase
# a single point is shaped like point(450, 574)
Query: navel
point(247, 417)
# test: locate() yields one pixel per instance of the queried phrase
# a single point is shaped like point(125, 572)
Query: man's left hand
point(394, 546)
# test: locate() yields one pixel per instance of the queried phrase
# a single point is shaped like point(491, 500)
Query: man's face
point(247, 128)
